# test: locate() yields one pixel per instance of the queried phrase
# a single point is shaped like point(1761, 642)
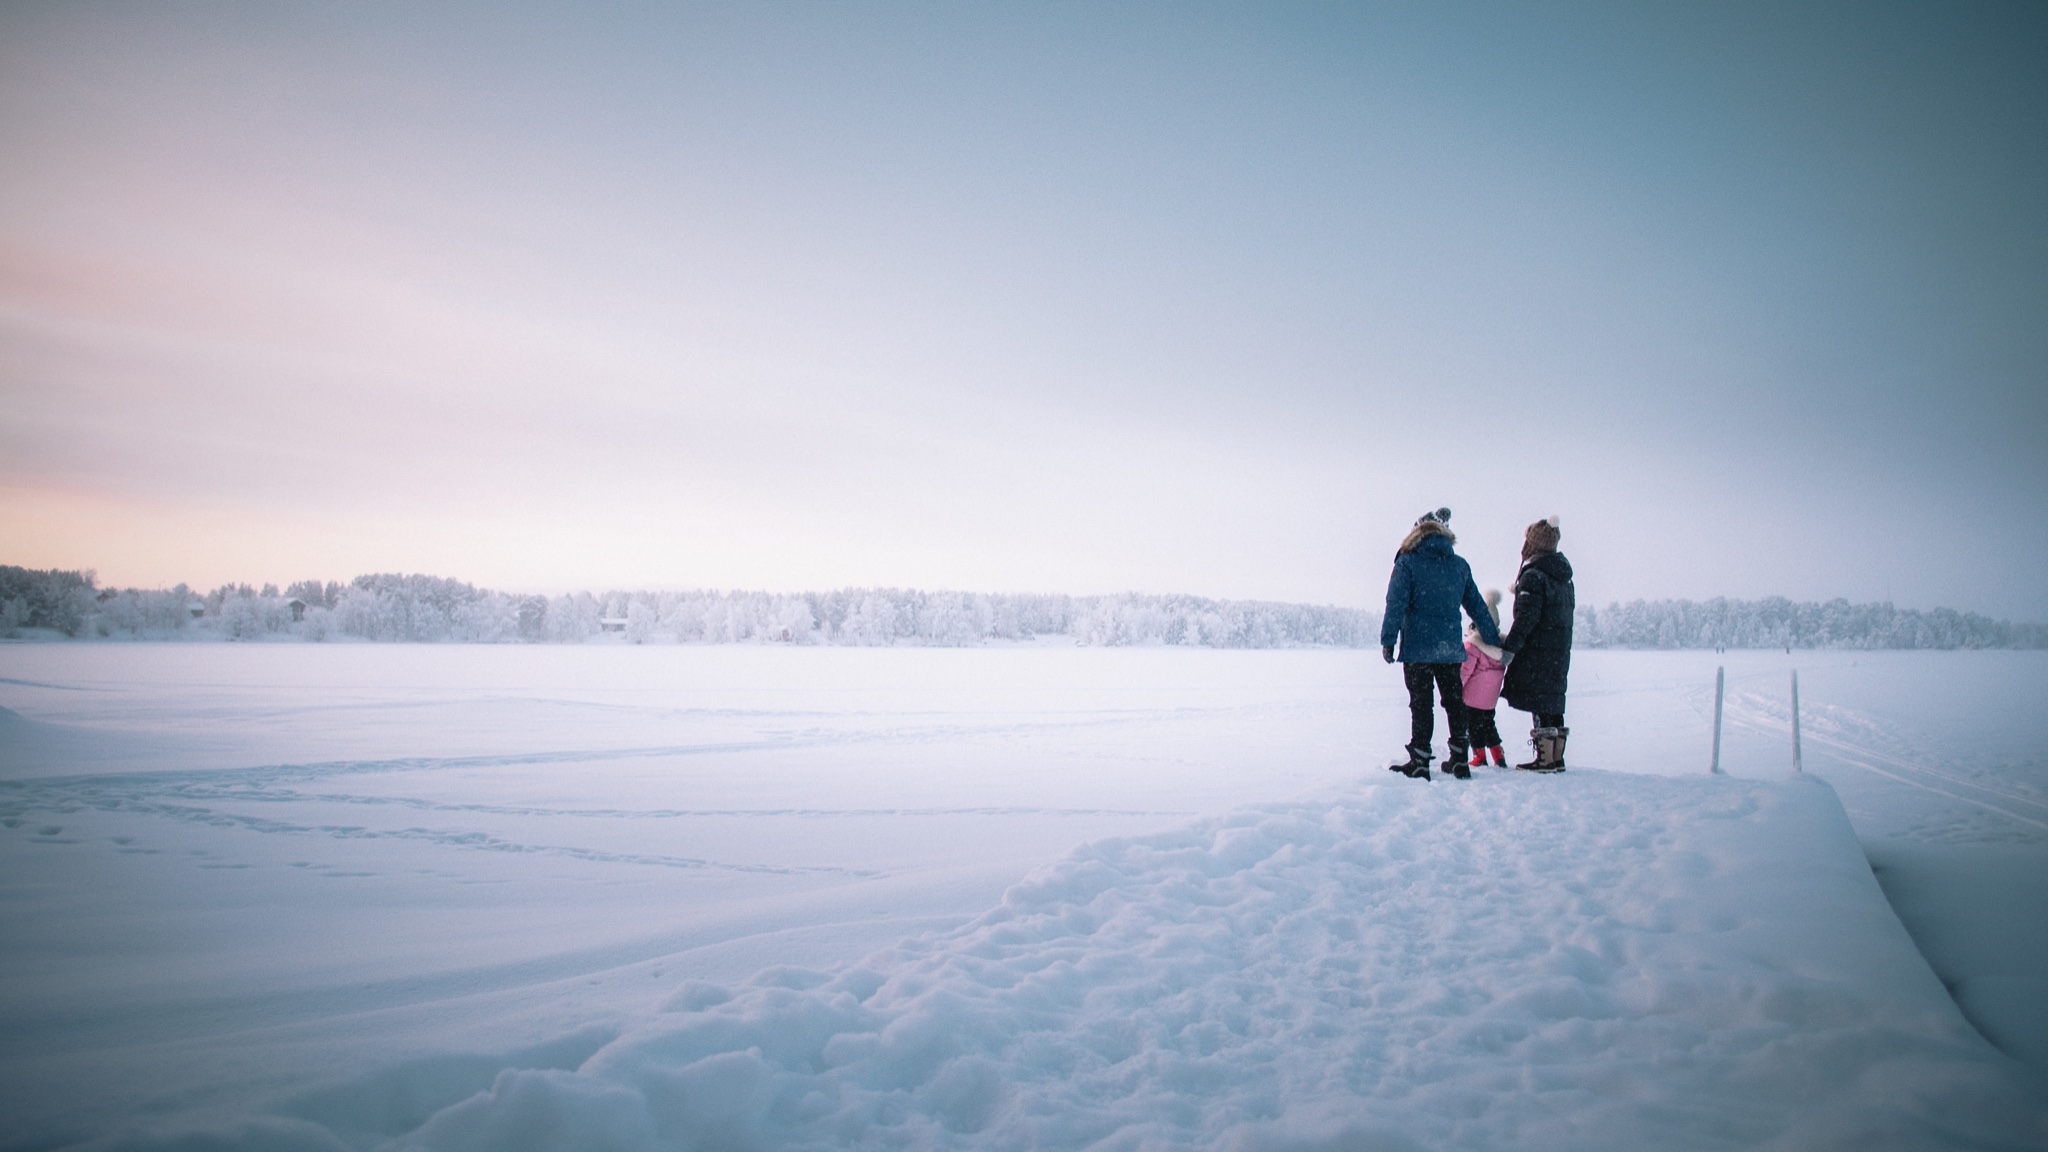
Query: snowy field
point(596, 897)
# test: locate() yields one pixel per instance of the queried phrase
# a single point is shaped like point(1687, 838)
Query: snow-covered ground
point(312, 896)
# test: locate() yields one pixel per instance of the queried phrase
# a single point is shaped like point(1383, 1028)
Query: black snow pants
point(1422, 710)
point(1485, 733)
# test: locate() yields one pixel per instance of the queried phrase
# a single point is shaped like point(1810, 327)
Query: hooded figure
point(1482, 673)
point(1539, 645)
point(1429, 585)
point(1483, 668)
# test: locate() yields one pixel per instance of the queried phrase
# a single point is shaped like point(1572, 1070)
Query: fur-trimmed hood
point(1424, 531)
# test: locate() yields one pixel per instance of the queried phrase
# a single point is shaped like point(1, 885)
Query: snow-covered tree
point(641, 618)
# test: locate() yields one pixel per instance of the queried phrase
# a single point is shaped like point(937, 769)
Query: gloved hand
point(1387, 653)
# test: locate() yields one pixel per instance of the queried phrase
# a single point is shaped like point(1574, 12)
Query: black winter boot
point(1457, 765)
point(1417, 765)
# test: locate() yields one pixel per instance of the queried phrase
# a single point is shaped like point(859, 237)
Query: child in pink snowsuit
point(1482, 673)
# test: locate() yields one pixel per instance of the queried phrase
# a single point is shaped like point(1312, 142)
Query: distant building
point(197, 608)
point(611, 624)
point(298, 608)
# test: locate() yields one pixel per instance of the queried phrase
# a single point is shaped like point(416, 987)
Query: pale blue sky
point(1075, 297)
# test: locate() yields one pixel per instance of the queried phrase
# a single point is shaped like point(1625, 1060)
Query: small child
point(1482, 673)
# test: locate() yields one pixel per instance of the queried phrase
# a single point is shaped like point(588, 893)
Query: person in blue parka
point(1429, 585)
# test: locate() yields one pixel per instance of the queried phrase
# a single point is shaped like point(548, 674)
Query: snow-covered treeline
point(1776, 622)
point(53, 599)
point(394, 607)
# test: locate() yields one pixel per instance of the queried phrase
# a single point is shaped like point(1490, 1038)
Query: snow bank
point(1584, 961)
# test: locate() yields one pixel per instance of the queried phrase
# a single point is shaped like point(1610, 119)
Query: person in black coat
point(1539, 645)
point(1430, 583)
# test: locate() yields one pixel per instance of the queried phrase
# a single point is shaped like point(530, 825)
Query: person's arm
point(1397, 609)
point(1529, 600)
point(1475, 607)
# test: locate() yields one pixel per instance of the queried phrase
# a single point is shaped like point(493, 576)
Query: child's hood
point(1473, 642)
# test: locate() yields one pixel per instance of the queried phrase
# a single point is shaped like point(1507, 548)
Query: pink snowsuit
point(1482, 675)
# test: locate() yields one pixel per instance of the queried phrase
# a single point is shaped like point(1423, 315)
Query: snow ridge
point(1592, 961)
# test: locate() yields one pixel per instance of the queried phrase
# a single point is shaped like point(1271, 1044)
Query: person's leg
point(1447, 682)
point(1548, 738)
point(1538, 725)
point(1485, 735)
point(1454, 702)
point(1421, 708)
point(1558, 733)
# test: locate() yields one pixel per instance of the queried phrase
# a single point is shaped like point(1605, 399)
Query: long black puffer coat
point(1542, 636)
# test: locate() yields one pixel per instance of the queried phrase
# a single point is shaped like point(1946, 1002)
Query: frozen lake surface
point(324, 896)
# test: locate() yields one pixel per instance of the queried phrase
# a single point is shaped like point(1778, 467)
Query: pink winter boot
point(1500, 757)
point(1478, 757)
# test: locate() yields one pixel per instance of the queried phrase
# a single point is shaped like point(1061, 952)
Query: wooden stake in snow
point(1720, 680)
point(1796, 767)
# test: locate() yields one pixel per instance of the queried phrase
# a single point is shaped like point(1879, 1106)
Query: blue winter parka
point(1428, 587)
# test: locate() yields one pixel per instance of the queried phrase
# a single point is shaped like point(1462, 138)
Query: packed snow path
point(1588, 961)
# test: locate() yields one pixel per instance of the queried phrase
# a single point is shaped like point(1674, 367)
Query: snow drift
point(1585, 961)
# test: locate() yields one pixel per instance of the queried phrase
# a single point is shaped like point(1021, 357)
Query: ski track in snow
point(45, 684)
point(1850, 744)
point(23, 802)
point(178, 796)
point(140, 795)
point(450, 838)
